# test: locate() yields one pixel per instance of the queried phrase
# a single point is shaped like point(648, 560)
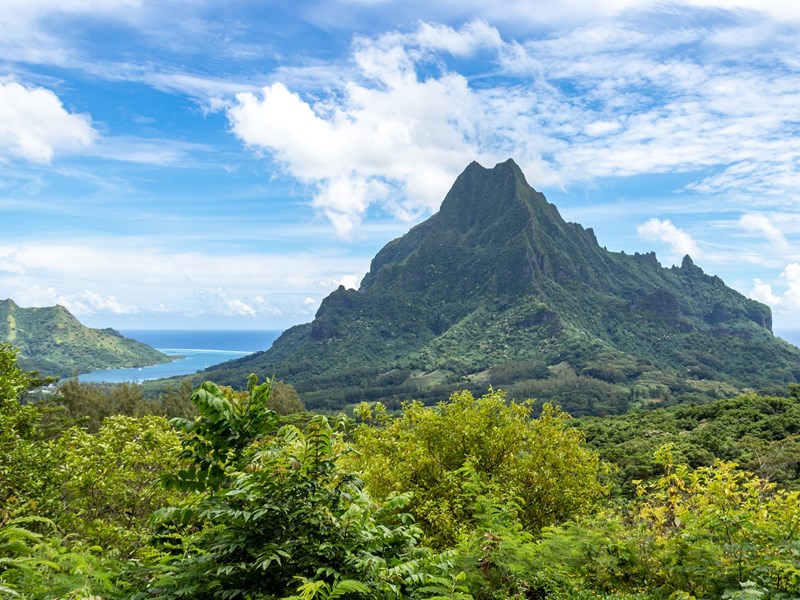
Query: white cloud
point(344, 200)
point(230, 306)
point(472, 37)
point(762, 292)
point(81, 303)
point(787, 302)
point(153, 151)
point(223, 302)
point(9, 264)
point(238, 308)
point(599, 100)
point(396, 140)
point(27, 31)
point(763, 225)
point(193, 85)
point(309, 307)
point(350, 282)
point(117, 276)
point(680, 242)
point(34, 124)
point(598, 128)
point(672, 113)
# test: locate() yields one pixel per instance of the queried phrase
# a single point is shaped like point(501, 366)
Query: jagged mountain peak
point(481, 196)
point(494, 229)
point(497, 282)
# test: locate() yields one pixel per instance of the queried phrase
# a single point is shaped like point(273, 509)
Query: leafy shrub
point(111, 481)
point(438, 452)
point(277, 516)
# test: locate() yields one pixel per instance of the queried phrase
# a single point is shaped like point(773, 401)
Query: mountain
point(496, 288)
point(54, 342)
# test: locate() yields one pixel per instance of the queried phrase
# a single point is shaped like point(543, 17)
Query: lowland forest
point(503, 410)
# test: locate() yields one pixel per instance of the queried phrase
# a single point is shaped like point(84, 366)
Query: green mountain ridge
point(496, 288)
point(52, 341)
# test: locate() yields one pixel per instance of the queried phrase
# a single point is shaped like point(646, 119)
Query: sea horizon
point(199, 349)
point(241, 340)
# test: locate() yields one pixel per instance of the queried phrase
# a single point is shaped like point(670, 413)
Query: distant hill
point(52, 341)
point(496, 288)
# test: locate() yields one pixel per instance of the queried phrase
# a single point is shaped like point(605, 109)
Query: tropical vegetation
point(477, 497)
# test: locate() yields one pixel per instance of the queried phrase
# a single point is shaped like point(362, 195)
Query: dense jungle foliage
point(241, 494)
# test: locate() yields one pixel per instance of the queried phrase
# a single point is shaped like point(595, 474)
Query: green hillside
point(496, 288)
point(759, 433)
point(54, 342)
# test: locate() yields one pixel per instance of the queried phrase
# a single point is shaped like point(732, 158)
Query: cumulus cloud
point(238, 308)
point(34, 124)
point(396, 139)
point(222, 302)
point(605, 99)
point(679, 242)
point(89, 302)
point(762, 291)
point(787, 302)
point(350, 282)
point(81, 303)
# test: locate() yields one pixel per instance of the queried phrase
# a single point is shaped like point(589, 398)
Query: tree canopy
point(472, 498)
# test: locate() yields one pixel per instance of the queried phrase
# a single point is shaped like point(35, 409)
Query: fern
point(321, 590)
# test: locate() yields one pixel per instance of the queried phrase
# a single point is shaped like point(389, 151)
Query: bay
point(197, 349)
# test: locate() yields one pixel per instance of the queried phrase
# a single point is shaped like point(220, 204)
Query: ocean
point(199, 350)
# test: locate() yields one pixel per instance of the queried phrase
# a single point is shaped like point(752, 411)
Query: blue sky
point(197, 164)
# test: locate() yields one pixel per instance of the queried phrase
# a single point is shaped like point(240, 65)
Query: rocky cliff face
point(497, 279)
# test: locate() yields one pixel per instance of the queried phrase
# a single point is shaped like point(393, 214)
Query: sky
point(201, 164)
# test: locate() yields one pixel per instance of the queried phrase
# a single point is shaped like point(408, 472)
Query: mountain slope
point(497, 288)
point(53, 342)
